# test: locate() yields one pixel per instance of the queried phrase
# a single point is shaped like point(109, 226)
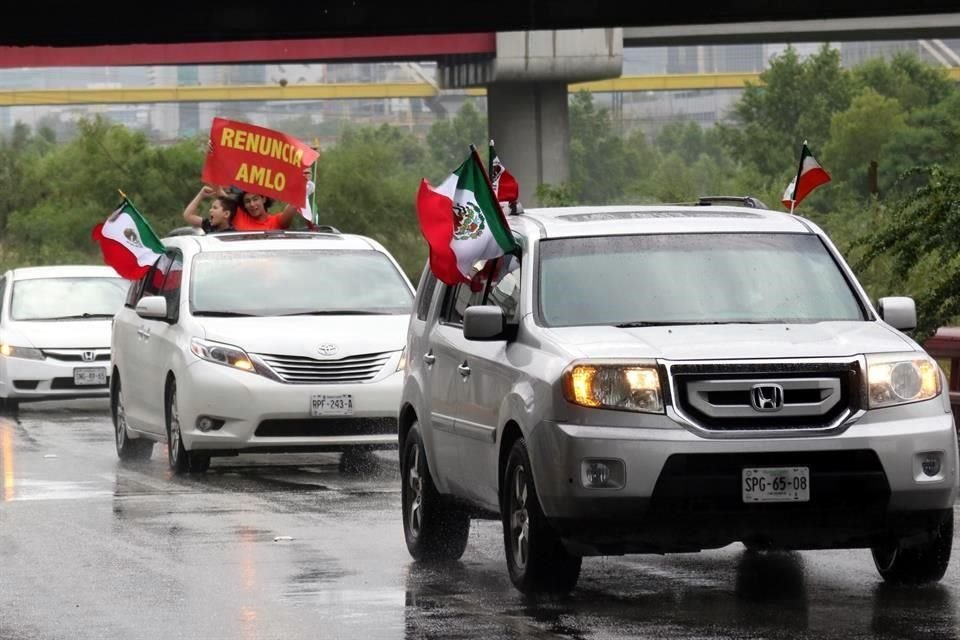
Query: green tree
point(913, 83)
point(449, 140)
point(795, 102)
point(858, 134)
point(919, 232)
point(367, 184)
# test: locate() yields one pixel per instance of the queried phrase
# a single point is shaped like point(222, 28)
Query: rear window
point(692, 279)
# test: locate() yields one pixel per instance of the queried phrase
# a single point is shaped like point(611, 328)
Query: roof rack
point(744, 201)
point(184, 231)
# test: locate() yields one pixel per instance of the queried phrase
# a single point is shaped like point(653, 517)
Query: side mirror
point(153, 307)
point(899, 312)
point(483, 322)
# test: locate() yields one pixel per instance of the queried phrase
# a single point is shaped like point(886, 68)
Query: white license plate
point(88, 376)
point(324, 405)
point(776, 484)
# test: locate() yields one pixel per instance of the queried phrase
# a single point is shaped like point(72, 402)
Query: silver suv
point(660, 379)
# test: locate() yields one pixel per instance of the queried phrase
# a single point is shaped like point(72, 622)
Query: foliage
point(919, 231)
point(448, 140)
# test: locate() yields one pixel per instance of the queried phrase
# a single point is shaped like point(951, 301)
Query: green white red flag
point(810, 175)
point(128, 243)
point(504, 184)
point(462, 222)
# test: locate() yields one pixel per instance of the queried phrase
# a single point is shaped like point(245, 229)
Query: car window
point(298, 282)
point(692, 279)
point(504, 290)
point(456, 301)
point(172, 282)
point(425, 291)
point(62, 298)
point(153, 281)
point(3, 289)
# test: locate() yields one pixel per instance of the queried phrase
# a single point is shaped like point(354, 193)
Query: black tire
point(537, 560)
point(131, 449)
point(922, 563)
point(180, 460)
point(434, 528)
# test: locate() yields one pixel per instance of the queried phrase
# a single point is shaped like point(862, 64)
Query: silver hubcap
point(174, 427)
point(415, 492)
point(121, 421)
point(519, 518)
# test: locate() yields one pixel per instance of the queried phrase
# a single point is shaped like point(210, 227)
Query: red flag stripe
point(435, 212)
point(118, 256)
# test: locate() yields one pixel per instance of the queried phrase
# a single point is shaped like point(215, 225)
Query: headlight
point(402, 364)
point(901, 378)
point(626, 387)
point(224, 354)
point(27, 353)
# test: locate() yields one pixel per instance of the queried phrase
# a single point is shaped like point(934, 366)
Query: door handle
point(464, 370)
point(429, 358)
point(144, 332)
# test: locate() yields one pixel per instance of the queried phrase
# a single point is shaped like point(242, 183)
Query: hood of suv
point(304, 335)
point(60, 334)
point(731, 341)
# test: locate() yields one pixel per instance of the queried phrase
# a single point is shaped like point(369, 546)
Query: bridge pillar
point(527, 95)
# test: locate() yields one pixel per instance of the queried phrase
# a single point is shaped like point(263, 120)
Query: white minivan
point(55, 332)
point(256, 342)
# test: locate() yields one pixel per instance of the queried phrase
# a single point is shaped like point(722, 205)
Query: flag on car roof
point(504, 184)
point(462, 222)
point(128, 243)
point(810, 175)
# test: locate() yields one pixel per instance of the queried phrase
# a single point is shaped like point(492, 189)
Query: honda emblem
point(766, 397)
point(89, 356)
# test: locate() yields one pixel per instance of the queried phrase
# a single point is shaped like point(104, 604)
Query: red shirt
point(243, 221)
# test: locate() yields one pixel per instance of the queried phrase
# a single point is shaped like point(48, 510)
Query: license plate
point(89, 376)
point(776, 484)
point(324, 405)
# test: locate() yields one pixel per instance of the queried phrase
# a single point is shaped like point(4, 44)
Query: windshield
point(692, 279)
point(67, 298)
point(261, 283)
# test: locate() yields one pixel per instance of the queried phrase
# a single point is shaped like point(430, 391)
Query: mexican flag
point(462, 222)
point(809, 176)
point(503, 183)
point(128, 243)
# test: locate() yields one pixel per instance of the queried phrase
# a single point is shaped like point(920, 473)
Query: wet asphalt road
point(292, 547)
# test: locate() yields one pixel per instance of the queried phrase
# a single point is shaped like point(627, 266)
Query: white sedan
point(55, 332)
point(254, 342)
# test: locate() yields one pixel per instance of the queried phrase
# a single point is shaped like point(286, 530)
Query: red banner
point(259, 160)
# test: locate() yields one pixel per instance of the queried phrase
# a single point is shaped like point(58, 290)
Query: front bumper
point(262, 415)
point(683, 491)
point(49, 379)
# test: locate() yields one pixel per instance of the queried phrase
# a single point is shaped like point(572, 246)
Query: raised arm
point(190, 212)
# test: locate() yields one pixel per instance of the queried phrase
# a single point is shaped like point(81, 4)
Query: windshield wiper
point(665, 323)
point(336, 312)
point(225, 314)
point(79, 316)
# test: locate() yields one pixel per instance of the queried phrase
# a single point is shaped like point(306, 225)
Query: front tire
point(537, 560)
point(180, 460)
point(127, 448)
point(899, 563)
point(433, 528)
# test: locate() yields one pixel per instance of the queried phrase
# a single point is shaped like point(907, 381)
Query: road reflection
point(6, 461)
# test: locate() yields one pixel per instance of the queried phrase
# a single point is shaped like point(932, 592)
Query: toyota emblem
point(327, 349)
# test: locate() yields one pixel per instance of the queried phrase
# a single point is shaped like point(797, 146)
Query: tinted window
point(65, 298)
point(505, 288)
point(456, 301)
point(274, 282)
point(692, 278)
point(425, 290)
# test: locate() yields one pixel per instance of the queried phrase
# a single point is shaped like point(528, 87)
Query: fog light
point(206, 423)
point(602, 474)
point(930, 464)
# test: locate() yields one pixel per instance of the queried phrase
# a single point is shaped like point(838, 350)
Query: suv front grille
point(303, 370)
point(809, 396)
